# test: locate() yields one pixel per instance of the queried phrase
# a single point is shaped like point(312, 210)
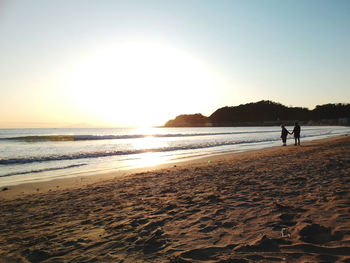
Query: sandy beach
point(279, 204)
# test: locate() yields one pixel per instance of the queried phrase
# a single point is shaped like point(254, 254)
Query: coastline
point(276, 204)
point(89, 178)
point(28, 159)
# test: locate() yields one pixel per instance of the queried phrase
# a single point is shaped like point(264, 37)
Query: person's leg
point(295, 143)
point(298, 140)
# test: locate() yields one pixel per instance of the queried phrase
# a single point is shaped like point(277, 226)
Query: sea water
point(28, 155)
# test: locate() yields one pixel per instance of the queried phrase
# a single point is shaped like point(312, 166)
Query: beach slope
point(278, 204)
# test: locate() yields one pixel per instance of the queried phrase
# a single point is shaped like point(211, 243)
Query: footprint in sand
point(287, 219)
point(317, 234)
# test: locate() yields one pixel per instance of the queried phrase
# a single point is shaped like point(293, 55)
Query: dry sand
point(288, 204)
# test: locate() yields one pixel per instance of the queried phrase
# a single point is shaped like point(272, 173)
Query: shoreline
point(36, 171)
point(77, 181)
point(281, 204)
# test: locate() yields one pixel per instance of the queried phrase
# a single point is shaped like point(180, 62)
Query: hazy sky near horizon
point(130, 63)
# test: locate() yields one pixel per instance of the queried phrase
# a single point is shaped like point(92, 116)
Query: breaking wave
point(43, 170)
point(35, 159)
point(43, 138)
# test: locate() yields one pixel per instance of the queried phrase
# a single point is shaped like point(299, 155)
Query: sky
point(140, 63)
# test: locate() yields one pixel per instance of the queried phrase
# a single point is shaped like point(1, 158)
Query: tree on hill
point(260, 112)
point(331, 111)
point(188, 120)
point(264, 112)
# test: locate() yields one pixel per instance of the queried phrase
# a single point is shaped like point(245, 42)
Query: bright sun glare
point(140, 84)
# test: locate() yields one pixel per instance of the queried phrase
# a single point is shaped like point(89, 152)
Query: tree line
point(264, 112)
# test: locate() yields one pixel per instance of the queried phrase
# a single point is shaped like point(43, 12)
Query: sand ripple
point(288, 204)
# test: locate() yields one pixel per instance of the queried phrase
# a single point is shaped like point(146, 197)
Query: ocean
point(28, 155)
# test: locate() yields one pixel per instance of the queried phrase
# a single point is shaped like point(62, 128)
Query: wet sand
point(280, 204)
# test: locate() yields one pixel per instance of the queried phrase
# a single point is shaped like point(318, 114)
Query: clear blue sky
point(207, 54)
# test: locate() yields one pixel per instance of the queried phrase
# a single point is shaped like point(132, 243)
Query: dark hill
point(189, 120)
point(259, 112)
point(265, 113)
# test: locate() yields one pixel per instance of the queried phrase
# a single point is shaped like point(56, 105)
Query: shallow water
point(40, 154)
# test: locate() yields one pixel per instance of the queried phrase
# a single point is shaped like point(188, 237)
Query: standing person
point(284, 134)
point(296, 132)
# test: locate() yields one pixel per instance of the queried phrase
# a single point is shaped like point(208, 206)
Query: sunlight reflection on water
point(149, 142)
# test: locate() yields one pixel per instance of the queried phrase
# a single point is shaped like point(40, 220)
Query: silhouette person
point(296, 132)
point(284, 134)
